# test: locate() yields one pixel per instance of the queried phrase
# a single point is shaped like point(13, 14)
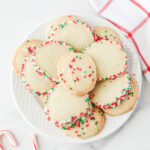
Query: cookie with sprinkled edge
point(35, 83)
point(92, 126)
point(109, 93)
point(45, 58)
point(110, 58)
point(25, 48)
point(65, 109)
point(127, 104)
point(106, 33)
point(56, 22)
point(76, 33)
point(77, 72)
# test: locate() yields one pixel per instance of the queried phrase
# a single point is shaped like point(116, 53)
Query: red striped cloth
point(133, 18)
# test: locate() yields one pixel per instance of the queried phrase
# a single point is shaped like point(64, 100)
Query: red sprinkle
point(89, 75)
point(87, 125)
point(70, 66)
point(77, 78)
point(60, 74)
point(89, 66)
point(79, 69)
point(73, 60)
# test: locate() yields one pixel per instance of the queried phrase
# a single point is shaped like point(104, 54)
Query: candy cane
point(34, 141)
point(1, 147)
point(10, 137)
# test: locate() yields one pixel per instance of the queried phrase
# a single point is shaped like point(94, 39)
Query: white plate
point(32, 111)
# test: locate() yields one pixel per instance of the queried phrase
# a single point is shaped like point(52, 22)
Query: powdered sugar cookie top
point(77, 72)
point(110, 58)
point(76, 33)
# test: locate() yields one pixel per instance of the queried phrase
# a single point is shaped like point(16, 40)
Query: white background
point(19, 17)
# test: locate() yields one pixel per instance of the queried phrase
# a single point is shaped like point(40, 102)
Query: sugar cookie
point(76, 33)
point(106, 33)
point(21, 52)
point(56, 22)
point(36, 84)
point(127, 104)
point(110, 58)
point(109, 93)
point(64, 108)
point(90, 127)
point(45, 58)
point(77, 72)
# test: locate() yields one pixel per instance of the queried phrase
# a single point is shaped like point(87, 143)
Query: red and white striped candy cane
point(34, 141)
point(10, 137)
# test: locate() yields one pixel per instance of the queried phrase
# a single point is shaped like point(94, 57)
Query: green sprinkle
point(111, 35)
point(84, 71)
point(51, 27)
point(63, 128)
point(82, 122)
point(52, 88)
point(80, 57)
point(87, 100)
point(130, 93)
point(92, 71)
point(74, 80)
point(70, 48)
point(96, 123)
point(48, 37)
point(27, 40)
point(105, 31)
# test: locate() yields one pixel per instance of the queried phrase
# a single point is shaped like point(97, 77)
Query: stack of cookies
point(79, 73)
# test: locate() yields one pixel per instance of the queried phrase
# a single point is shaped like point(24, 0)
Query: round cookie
point(56, 22)
point(76, 33)
point(90, 127)
point(77, 72)
point(106, 33)
point(64, 108)
point(36, 84)
point(45, 58)
point(25, 48)
point(109, 93)
point(110, 58)
point(127, 104)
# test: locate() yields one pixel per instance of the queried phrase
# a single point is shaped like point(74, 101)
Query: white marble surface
point(19, 17)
